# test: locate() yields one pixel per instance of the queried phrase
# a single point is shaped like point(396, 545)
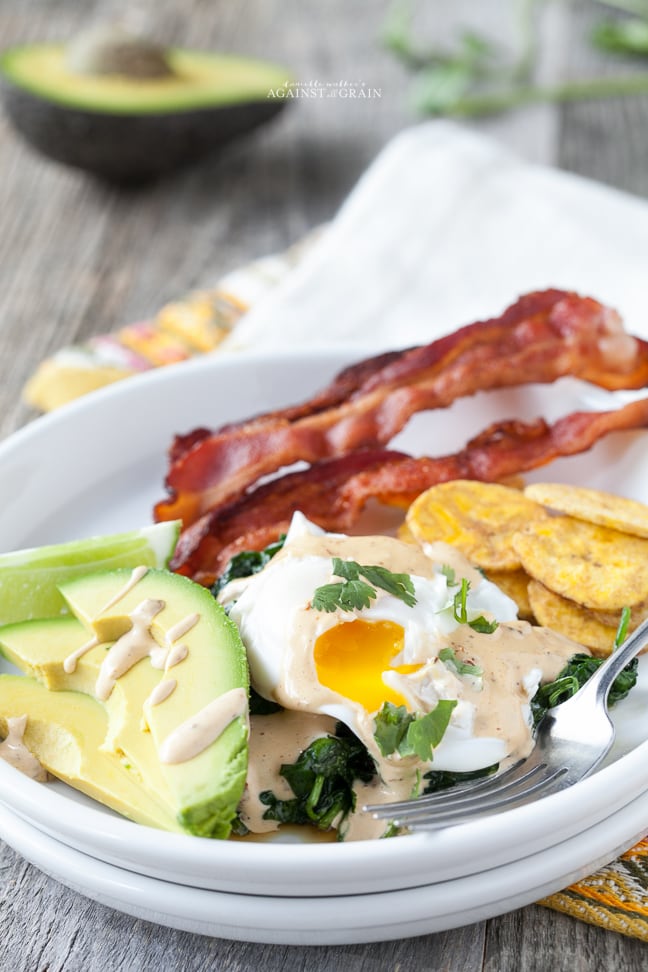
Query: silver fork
point(570, 741)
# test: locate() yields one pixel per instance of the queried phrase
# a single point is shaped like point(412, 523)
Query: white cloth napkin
point(447, 227)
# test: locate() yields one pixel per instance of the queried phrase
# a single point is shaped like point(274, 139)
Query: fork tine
point(427, 804)
point(432, 821)
point(462, 790)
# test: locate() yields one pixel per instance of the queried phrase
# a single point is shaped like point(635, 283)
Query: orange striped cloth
point(616, 896)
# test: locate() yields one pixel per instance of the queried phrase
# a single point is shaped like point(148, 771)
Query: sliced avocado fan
point(197, 654)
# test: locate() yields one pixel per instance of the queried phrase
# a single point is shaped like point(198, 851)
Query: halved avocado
point(139, 111)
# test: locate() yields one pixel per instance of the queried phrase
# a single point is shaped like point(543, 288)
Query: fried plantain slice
point(405, 534)
point(514, 583)
point(595, 566)
point(477, 518)
point(593, 505)
point(571, 619)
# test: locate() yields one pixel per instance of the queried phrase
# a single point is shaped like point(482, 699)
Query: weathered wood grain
point(78, 257)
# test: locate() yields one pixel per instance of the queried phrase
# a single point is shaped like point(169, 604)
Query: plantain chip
point(571, 619)
point(477, 518)
point(593, 505)
point(405, 534)
point(514, 583)
point(639, 614)
point(593, 565)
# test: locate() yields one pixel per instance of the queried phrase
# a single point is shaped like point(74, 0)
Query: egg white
point(280, 628)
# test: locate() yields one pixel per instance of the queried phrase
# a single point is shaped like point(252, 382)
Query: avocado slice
point(39, 649)
point(65, 731)
point(124, 115)
point(207, 787)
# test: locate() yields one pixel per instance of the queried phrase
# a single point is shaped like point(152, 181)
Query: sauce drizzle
point(135, 644)
point(14, 751)
point(202, 729)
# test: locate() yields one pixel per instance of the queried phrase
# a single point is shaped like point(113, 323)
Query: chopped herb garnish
point(246, 563)
point(463, 668)
point(352, 593)
point(449, 574)
point(622, 630)
point(411, 733)
point(460, 610)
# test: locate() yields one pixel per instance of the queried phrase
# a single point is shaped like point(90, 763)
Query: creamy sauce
point(175, 655)
point(399, 557)
point(134, 644)
point(136, 576)
point(276, 739)
point(70, 663)
point(506, 657)
point(182, 627)
point(161, 691)
point(202, 729)
point(14, 751)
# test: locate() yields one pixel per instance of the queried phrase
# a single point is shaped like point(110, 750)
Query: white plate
point(336, 920)
point(97, 466)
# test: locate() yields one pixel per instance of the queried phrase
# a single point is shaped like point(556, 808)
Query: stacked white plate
point(97, 466)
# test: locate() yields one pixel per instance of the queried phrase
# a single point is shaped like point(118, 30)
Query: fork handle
point(601, 681)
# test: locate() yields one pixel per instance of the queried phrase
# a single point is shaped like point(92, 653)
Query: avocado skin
point(130, 148)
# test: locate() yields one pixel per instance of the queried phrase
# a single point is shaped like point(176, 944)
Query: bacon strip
point(348, 381)
point(333, 493)
point(260, 516)
point(540, 338)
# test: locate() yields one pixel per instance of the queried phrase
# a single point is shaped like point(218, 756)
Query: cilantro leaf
point(622, 629)
point(347, 595)
point(459, 602)
point(400, 585)
point(408, 734)
point(483, 626)
point(463, 668)
point(425, 732)
point(391, 725)
point(460, 611)
point(449, 574)
point(348, 569)
point(354, 594)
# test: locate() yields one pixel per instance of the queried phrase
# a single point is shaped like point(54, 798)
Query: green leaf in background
point(622, 36)
point(476, 78)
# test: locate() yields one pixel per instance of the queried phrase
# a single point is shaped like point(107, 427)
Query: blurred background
point(79, 256)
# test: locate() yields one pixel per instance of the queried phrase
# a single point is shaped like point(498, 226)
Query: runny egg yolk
point(351, 657)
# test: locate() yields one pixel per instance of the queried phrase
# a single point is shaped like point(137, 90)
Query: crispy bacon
point(342, 387)
point(334, 492)
point(261, 516)
point(542, 337)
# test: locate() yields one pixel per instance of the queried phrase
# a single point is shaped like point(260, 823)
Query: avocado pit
point(111, 50)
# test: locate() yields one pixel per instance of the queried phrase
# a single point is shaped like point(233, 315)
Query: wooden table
point(77, 258)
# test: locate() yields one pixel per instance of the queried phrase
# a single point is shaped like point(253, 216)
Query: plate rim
point(113, 835)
